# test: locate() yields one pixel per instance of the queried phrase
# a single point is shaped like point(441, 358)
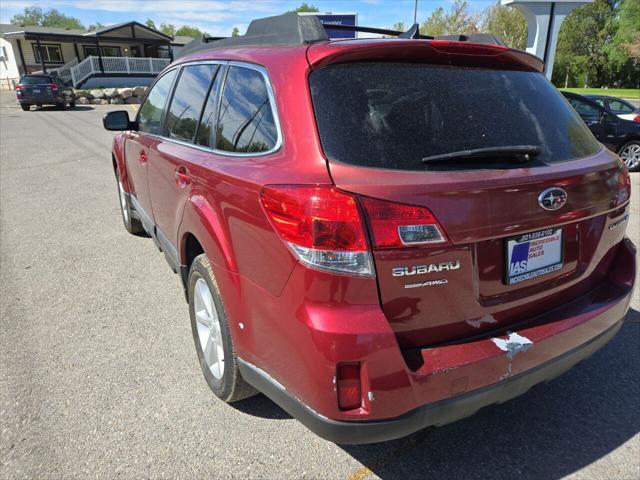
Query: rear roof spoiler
point(293, 29)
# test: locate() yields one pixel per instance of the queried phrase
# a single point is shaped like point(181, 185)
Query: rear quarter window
point(245, 122)
point(391, 115)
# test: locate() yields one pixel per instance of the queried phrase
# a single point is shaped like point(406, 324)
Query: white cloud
point(175, 11)
point(199, 7)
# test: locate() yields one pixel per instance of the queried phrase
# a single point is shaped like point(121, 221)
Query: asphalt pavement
point(99, 377)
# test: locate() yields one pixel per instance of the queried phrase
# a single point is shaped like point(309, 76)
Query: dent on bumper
point(433, 414)
point(458, 379)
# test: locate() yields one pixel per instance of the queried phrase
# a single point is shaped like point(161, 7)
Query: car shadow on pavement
point(551, 431)
point(53, 108)
point(261, 406)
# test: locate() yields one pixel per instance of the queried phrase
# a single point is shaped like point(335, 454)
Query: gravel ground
point(99, 377)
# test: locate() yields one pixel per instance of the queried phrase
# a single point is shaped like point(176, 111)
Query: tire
point(131, 224)
point(26, 108)
point(72, 104)
point(61, 106)
point(630, 155)
point(211, 334)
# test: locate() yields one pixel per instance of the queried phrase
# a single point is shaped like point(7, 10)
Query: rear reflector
point(348, 386)
point(321, 226)
point(395, 225)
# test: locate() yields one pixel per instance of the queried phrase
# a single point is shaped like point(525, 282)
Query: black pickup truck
point(44, 90)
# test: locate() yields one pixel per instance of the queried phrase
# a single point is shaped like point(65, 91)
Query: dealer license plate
point(533, 254)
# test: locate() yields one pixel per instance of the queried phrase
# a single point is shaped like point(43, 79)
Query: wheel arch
point(117, 159)
point(203, 231)
point(626, 141)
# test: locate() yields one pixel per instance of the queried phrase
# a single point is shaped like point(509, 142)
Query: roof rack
point(294, 29)
point(413, 32)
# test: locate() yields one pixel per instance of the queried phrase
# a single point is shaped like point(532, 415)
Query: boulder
point(130, 100)
point(110, 92)
point(83, 94)
point(140, 91)
point(97, 94)
point(116, 101)
point(99, 101)
point(126, 92)
point(83, 101)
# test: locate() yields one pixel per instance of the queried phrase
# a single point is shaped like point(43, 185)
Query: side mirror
point(118, 121)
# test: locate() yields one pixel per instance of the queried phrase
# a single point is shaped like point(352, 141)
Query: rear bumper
point(40, 100)
point(454, 381)
point(435, 414)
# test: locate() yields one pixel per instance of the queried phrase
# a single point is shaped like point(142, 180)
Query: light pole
point(415, 11)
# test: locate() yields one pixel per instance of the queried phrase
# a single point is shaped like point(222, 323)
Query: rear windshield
point(35, 80)
point(392, 115)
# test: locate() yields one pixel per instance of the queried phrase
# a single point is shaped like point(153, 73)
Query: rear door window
point(245, 122)
point(206, 130)
point(587, 111)
point(392, 115)
point(188, 98)
point(151, 111)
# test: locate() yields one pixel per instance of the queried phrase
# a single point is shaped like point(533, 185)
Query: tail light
point(53, 86)
point(636, 118)
point(624, 186)
point(321, 226)
point(19, 86)
point(395, 225)
point(349, 386)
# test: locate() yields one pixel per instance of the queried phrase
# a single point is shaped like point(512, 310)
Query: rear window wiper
point(520, 153)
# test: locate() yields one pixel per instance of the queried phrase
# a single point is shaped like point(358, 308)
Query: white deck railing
point(64, 72)
point(125, 65)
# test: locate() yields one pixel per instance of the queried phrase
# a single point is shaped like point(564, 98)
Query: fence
point(125, 65)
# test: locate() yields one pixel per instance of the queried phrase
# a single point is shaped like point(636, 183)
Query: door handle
point(143, 157)
point(182, 177)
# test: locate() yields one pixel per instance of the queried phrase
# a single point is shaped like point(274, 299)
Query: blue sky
point(218, 17)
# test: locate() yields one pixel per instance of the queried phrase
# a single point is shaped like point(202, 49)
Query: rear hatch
point(37, 88)
point(519, 227)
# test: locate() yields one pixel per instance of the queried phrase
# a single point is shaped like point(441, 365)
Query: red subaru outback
point(379, 234)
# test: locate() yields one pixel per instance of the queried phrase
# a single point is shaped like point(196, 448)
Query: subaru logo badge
point(552, 198)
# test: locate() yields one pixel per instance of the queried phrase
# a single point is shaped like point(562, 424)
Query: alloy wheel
point(123, 202)
point(630, 155)
point(209, 332)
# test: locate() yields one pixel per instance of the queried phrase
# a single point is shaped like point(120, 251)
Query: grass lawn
point(632, 93)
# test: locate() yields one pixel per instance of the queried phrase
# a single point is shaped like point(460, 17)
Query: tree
point(505, 22)
point(581, 55)
point(625, 43)
point(235, 32)
point(151, 24)
point(187, 31)
point(32, 16)
point(305, 7)
point(398, 27)
point(95, 26)
point(456, 20)
point(167, 29)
